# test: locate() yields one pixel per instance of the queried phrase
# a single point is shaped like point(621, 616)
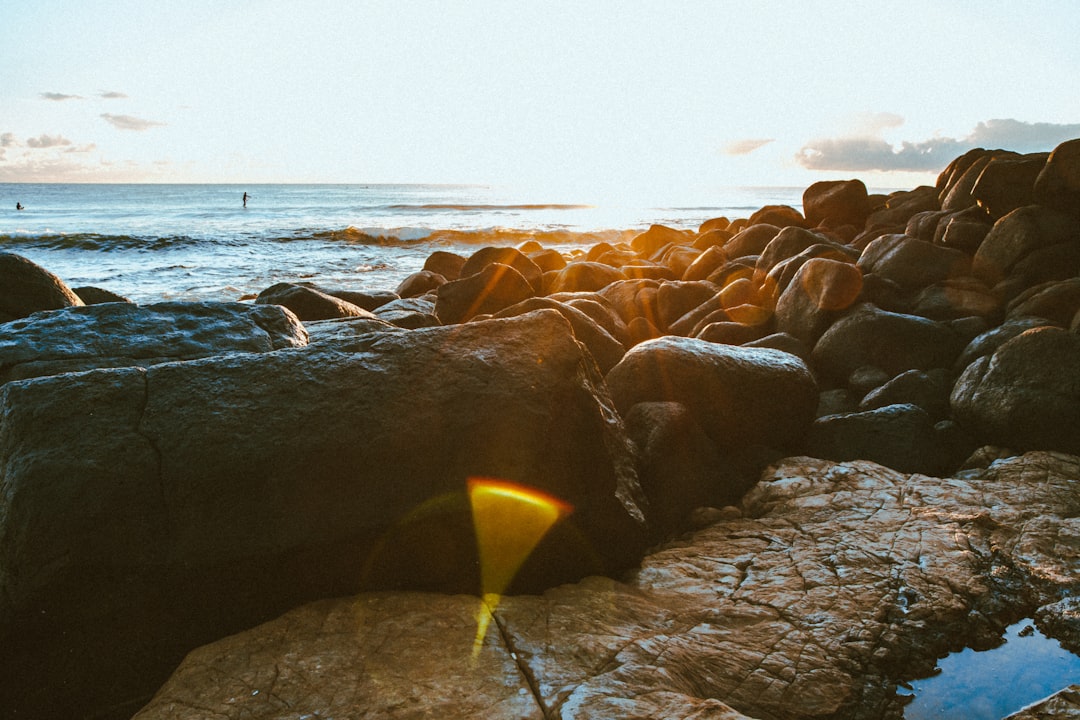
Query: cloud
point(8, 140)
point(59, 97)
point(127, 122)
point(89, 147)
point(745, 147)
point(47, 141)
point(873, 153)
point(112, 95)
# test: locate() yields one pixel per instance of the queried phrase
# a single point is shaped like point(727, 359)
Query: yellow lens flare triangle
point(510, 521)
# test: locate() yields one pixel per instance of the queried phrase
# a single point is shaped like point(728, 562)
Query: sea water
point(199, 242)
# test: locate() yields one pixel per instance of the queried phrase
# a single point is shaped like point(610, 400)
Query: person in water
point(18, 206)
point(245, 199)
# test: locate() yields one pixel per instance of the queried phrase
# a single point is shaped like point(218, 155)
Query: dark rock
point(835, 402)
point(819, 293)
point(96, 296)
point(675, 299)
point(784, 342)
point(409, 313)
point(307, 303)
point(679, 467)
point(125, 335)
point(495, 287)
point(1056, 301)
point(731, 333)
point(640, 329)
point(1056, 262)
point(893, 342)
point(1017, 235)
point(26, 287)
point(958, 298)
point(1007, 183)
point(634, 299)
point(1061, 620)
point(833, 203)
point(928, 390)
point(446, 264)
point(779, 215)
point(898, 210)
point(987, 342)
point(606, 350)
point(962, 234)
point(148, 511)
point(751, 241)
point(901, 437)
point(781, 275)
point(787, 243)
point(958, 193)
point(912, 264)
point(581, 276)
point(740, 396)
point(1026, 395)
point(1058, 185)
point(512, 257)
point(364, 299)
point(601, 311)
point(420, 283)
point(712, 310)
point(706, 263)
point(865, 379)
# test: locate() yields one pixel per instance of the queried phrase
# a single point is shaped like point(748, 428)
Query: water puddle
point(993, 684)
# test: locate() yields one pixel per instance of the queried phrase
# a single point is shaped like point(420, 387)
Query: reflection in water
point(992, 684)
point(510, 521)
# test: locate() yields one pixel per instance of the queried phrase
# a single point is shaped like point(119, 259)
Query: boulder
point(912, 264)
point(787, 243)
point(419, 283)
point(364, 299)
point(446, 264)
point(834, 203)
point(901, 437)
point(409, 313)
point(1056, 301)
point(751, 240)
point(783, 341)
point(1027, 394)
point(633, 299)
point(1058, 184)
point(547, 259)
point(1007, 183)
point(819, 293)
point(963, 297)
point(894, 342)
point(899, 209)
point(676, 298)
point(504, 256)
point(987, 342)
point(124, 335)
point(928, 390)
point(837, 582)
point(706, 263)
point(606, 350)
point(493, 288)
point(729, 332)
point(600, 310)
point(309, 303)
point(151, 510)
point(779, 215)
point(581, 276)
point(1017, 235)
point(95, 296)
point(740, 397)
point(656, 237)
point(26, 287)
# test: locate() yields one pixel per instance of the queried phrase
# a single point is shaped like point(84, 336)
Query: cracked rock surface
point(839, 580)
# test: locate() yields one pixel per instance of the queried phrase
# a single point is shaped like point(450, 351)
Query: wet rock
point(1027, 394)
point(512, 257)
point(96, 296)
point(739, 396)
point(1007, 183)
point(581, 276)
point(124, 335)
point(894, 342)
point(955, 299)
point(490, 290)
point(148, 511)
point(1019, 234)
point(911, 263)
point(675, 299)
point(633, 299)
point(928, 390)
point(819, 293)
point(606, 350)
point(835, 582)
point(26, 287)
point(364, 299)
point(1061, 620)
point(446, 264)
point(901, 437)
point(834, 203)
point(987, 343)
point(751, 240)
point(779, 215)
point(899, 208)
point(731, 333)
point(309, 303)
point(1056, 301)
point(1063, 705)
point(1058, 185)
point(784, 342)
point(706, 263)
point(410, 312)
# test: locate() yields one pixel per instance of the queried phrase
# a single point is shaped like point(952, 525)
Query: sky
point(559, 96)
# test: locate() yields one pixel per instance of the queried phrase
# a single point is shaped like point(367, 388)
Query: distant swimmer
point(18, 206)
point(245, 199)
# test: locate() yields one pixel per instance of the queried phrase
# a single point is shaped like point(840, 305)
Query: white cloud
point(864, 153)
point(112, 95)
point(59, 97)
point(746, 146)
point(8, 140)
point(47, 141)
point(128, 122)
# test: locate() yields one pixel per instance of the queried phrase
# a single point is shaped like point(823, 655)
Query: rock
point(678, 465)
point(963, 297)
point(712, 237)
point(675, 299)
point(739, 396)
point(1056, 301)
point(912, 264)
point(706, 263)
point(901, 437)
point(927, 390)
point(836, 582)
point(28, 288)
point(1027, 394)
point(446, 264)
point(1058, 184)
point(751, 241)
point(656, 237)
point(346, 330)
point(633, 299)
point(512, 257)
point(123, 335)
point(492, 289)
point(960, 233)
point(834, 203)
point(581, 276)
point(958, 194)
point(893, 342)
point(779, 215)
point(787, 243)
point(309, 303)
point(409, 313)
point(148, 511)
point(731, 333)
point(899, 208)
point(1061, 620)
point(600, 310)
point(987, 342)
point(1062, 705)
point(640, 269)
point(819, 293)
point(364, 299)
point(1019, 234)
point(606, 350)
point(420, 283)
point(784, 342)
point(548, 260)
point(1007, 183)
point(95, 295)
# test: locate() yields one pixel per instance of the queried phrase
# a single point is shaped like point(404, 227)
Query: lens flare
point(510, 521)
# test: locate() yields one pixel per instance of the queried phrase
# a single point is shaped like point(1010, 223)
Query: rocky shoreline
point(806, 453)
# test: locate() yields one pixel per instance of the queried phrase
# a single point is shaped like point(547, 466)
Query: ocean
point(158, 242)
